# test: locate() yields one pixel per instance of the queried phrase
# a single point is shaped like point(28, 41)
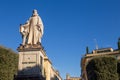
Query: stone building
point(68, 77)
point(97, 52)
point(50, 72)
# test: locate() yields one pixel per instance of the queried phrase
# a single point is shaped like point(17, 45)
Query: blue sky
point(69, 26)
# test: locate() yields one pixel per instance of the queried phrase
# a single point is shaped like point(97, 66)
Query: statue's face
point(34, 12)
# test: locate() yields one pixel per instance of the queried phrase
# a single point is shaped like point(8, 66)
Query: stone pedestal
point(31, 59)
point(25, 77)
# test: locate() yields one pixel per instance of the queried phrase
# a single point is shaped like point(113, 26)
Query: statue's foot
point(38, 43)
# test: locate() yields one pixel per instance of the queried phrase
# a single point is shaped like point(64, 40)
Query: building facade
point(97, 52)
point(68, 77)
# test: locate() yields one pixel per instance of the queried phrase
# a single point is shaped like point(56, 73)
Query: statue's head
point(27, 22)
point(35, 12)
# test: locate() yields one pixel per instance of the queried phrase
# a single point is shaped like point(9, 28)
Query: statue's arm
point(21, 28)
point(40, 24)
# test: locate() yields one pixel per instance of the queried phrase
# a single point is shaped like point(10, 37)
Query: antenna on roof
point(96, 45)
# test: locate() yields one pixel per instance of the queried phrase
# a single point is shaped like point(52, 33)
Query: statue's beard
point(35, 14)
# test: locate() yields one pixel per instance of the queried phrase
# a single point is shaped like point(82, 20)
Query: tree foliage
point(102, 68)
point(118, 43)
point(87, 49)
point(118, 68)
point(8, 63)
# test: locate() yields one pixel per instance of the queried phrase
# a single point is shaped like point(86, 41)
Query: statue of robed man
point(32, 31)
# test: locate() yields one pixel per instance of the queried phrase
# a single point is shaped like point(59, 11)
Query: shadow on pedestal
point(30, 73)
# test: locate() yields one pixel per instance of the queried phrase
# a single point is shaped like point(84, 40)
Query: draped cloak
point(35, 30)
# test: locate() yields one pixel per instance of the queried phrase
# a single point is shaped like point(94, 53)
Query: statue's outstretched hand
point(38, 27)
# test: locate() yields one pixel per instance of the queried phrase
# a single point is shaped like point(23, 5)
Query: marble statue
point(24, 30)
point(32, 30)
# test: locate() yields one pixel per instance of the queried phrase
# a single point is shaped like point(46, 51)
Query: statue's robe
point(35, 30)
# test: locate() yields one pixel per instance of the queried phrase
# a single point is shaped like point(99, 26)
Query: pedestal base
point(31, 58)
point(28, 77)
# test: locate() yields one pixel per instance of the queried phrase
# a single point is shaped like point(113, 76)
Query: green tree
point(87, 50)
point(8, 63)
point(102, 68)
point(119, 43)
point(118, 69)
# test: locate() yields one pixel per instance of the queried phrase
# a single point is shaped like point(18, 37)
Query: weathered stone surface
point(32, 30)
